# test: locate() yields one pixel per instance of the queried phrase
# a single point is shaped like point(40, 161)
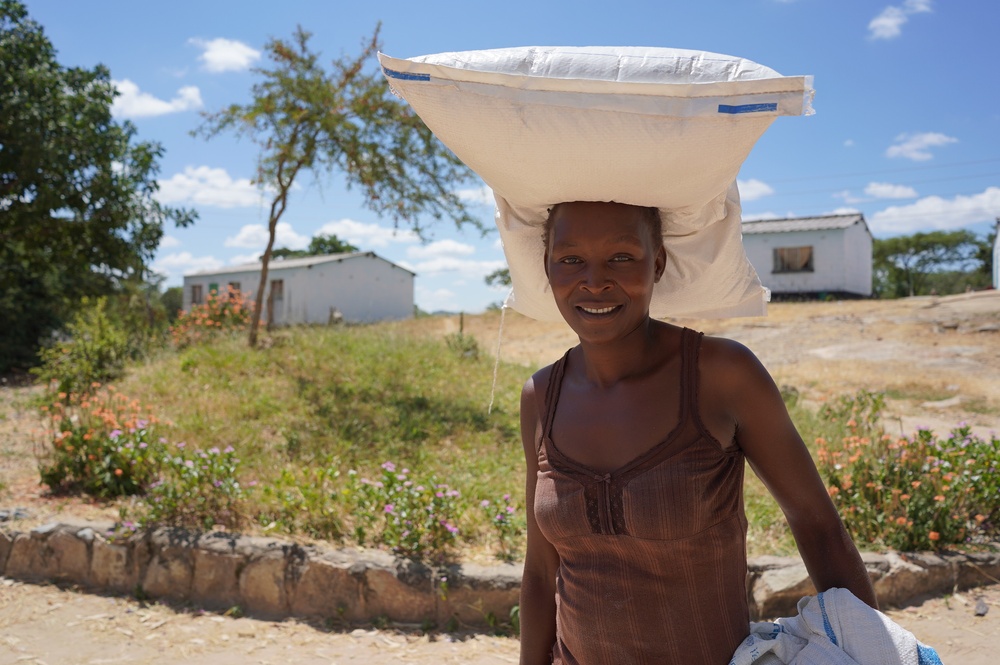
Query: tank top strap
point(552, 397)
point(690, 345)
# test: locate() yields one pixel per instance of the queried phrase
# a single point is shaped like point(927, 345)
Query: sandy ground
point(47, 625)
point(938, 357)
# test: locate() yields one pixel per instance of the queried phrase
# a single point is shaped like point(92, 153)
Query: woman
point(635, 442)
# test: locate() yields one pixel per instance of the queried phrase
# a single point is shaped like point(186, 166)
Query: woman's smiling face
point(602, 262)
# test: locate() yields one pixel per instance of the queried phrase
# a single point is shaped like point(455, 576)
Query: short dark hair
point(651, 215)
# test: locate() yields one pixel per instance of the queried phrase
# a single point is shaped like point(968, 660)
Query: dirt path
point(46, 625)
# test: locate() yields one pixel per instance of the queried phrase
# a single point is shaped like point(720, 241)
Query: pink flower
point(389, 508)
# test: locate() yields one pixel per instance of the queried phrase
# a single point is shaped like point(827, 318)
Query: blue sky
point(907, 124)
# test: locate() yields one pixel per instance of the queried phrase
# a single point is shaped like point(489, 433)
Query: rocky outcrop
point(272, 578)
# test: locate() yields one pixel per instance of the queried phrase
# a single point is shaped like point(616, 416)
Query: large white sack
point(659, 127)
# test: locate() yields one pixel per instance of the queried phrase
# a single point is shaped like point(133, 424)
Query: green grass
point(322, 401)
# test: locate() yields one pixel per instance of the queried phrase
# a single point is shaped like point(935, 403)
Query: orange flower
point(118, 472)
point(915, 484)
point(904, 497)
point(901, 521)
point(934, 535)
point(852, 423)
point(939, 497)
point(834, 491)
point(980, 518)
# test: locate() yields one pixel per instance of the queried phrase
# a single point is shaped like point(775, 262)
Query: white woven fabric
point(659, 127)
point(833, 628)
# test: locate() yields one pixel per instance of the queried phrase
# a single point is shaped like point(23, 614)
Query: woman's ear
point(660, 264)
point(545, 263)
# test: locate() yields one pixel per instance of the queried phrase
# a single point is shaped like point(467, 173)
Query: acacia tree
point(904, 265)
point(78, 217)
point(320, 244)
point(305, 117)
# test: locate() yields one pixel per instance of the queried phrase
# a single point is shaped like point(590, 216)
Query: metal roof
point(822, 223)
point(303, 262)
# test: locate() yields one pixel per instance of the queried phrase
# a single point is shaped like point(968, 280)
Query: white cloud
point(440, 248)
point(467, 268)
point(884, 190)
point(241, 259)
point(204, 185)
point(181, 263)
point(935, 212)
point(133, 103)
point(751, 190)
point(915, 146)
point(255, 236)
point(848, 197)
point(843, 210)
point(849, 143)
point(366, 236)
point(760, 216)
point(477, 195)
point(166, 242)
point(225, 55)
point(435, 300)
point(889, 24)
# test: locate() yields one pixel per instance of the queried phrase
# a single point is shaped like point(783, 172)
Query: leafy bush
point(411, 518)
point(103, 444)
point(96, 351)
point(508, 525)
point(198, 489)
point(225, 312)
point(912, 493)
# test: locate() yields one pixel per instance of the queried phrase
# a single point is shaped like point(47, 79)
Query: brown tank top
point(652, 555)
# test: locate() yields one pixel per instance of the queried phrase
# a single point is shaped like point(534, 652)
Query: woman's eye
point(570, 260)
point(622, 257)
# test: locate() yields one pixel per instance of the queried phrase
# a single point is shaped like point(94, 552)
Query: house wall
point(362, 288)
point(841, 260)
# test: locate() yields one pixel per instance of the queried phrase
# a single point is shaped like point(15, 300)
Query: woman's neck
point(634, 355)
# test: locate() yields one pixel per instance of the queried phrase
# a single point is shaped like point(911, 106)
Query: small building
point(355, 287)
point(812, 256)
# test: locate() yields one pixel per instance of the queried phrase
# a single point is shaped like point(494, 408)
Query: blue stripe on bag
point(747, 108)
point(826, 621)
point(403, 76)
point(927, 655)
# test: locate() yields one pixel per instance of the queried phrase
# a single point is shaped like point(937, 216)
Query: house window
point(196, 294)
point(213, 289)
point(234, 289)
point(793, 259)
point(277, 289)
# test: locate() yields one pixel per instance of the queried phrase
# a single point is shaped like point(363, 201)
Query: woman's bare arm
point(777, 454)
point(538, 584)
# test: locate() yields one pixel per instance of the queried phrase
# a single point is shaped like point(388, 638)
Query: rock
point(111, 567)
point(981, 608)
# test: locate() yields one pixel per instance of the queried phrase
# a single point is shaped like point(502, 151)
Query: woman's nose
point(596, 279)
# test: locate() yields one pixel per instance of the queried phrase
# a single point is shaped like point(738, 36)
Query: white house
point(357, 287)
point(812, 256)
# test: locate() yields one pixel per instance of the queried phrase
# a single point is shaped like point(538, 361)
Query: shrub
point(103, 444)
point(96, 351)
point(410, 517)
point(911, 493)
point(197, 490)
point(225, 312)
point(507, 524)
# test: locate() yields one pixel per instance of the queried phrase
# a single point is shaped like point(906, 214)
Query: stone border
point(274, 579)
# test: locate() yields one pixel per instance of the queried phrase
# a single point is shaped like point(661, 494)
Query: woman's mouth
point(598, 310)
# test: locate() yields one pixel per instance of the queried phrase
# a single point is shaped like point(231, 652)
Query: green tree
point(304, 117)
point(320, 245)
point(906, 265)
point(78, 217)
point(499, 277)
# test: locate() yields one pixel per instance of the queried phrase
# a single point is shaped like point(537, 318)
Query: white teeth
point(602, 310)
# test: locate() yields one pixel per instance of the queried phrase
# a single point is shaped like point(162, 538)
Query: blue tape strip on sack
point(826, 620)
point(747, 108)
point(403, 76)
point(927, 655)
